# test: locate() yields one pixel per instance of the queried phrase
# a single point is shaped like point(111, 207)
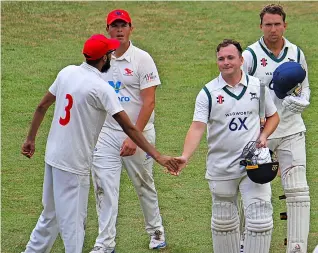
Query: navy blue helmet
point(287, 77)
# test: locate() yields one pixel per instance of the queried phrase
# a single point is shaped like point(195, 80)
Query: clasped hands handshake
point(173, 165)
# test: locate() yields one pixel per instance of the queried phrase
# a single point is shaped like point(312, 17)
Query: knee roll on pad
point(295, 184)
point(258, 217)
point(224, 217)
point(225, 228)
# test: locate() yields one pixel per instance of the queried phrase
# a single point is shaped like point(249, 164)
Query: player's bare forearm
point(123, 120)
point(28, 147)
point(149, 100)
point(191, 142)
point(35, 124)
point(134, 134)
point(39, 114)
point(193, 138)
point(270, 125)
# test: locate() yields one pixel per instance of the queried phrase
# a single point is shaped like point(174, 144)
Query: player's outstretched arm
point(270, 126)
point(191, 143)
point(148, 97)
point(28, 146)
point(123, 120)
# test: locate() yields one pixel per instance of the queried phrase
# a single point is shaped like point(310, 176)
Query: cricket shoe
point(99, 249)
point(157, 240)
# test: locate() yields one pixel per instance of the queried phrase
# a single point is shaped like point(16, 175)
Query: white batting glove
point(263, 155)
point(295, 104)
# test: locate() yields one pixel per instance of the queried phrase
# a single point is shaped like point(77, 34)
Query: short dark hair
point(227, 42)
point(92, 62)
point(273, 9)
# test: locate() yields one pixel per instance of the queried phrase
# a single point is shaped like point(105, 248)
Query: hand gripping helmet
point(287, 79)
point(259, 163)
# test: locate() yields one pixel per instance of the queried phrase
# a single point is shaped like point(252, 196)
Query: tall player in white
point(288, 140)
point(232, 122)
point(134, 77)
point(82, 100)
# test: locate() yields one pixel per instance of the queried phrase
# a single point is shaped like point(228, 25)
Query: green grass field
point(40, 38)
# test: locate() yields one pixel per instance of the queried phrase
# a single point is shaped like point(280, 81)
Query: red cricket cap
point(118, 15)
point(98, 45)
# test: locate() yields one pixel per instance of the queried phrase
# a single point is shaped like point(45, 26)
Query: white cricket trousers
point(290, 151)
point(106, 170)
point(227, 191)
point(64, 200)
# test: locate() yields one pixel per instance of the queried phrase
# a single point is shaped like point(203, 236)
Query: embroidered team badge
point(264, 62)
point(220, 99)
point(128, 72)
point(254, 96)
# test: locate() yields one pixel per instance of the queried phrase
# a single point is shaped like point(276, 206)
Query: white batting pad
point(259, 225)
point(225, 228)
point(298, 209)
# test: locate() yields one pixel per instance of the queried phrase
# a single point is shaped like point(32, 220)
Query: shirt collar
point(286, 44)
point(222, 83)
point(127, 55)
point(91, 68)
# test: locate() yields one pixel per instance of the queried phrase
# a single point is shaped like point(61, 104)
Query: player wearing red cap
point(134, 77)
point(82, 101)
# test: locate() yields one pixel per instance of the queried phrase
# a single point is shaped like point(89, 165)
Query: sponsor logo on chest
point(128, 72)
point(220, 99)
point(263, 62)
point(117, 87)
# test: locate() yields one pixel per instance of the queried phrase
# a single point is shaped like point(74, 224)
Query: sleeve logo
point(150, 77)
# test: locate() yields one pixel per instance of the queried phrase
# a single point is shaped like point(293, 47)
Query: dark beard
point(106, 66)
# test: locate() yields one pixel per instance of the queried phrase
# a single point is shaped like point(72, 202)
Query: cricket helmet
point(260, 163)
point(287, 79)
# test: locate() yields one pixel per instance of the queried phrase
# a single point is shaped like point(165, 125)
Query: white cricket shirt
point(82, 101)
point(134, 71)
point(260, 62)
point(233, 122)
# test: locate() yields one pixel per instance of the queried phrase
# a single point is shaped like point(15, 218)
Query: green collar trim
point(272, 56)
point(242, 92)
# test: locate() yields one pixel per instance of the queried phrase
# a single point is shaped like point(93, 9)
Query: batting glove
point(263, 155)
point(295, 104)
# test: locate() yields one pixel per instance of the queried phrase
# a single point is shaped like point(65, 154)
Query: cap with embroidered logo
point(118, 15)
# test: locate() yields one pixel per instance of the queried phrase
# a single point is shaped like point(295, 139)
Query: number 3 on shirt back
point(66, 120)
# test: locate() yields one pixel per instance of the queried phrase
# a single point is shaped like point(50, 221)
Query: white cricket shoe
point(99, 249)
point(157, 240)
